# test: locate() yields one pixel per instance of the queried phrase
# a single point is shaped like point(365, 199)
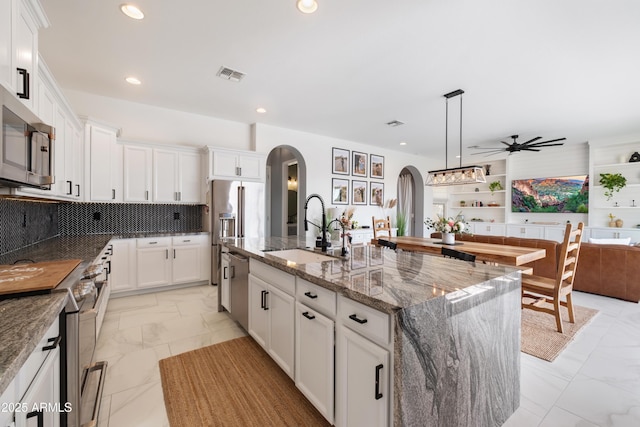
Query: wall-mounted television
point(566, 194)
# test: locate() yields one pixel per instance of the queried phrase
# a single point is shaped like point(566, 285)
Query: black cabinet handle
point(355, 318)
point(25, 83)
point(78, 188)
point(310, 295)
point(265, 300)
point(308, 316)
point(233, 271)
point(174, 254)
point(55, 341)
point(113, 193)
point(224, 274)
point(378, 394)
point(262, 298)
point(108, 267)
point(70, 192)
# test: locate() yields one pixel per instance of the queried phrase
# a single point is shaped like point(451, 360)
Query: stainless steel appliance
point(239, 289)
point(26, 147)
point(235, 209)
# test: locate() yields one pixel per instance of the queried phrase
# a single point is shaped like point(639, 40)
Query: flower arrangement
point(346, 218)
point(446, 225)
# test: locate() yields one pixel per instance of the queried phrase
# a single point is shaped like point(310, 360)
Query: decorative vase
point(612, 223)
point(448, 238)
point(619, 223)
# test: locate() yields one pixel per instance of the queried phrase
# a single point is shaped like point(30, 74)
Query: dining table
point(486, 252)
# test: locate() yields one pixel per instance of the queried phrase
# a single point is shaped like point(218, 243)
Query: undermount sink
point(300, 256)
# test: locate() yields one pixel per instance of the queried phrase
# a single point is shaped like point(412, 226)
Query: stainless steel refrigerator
point(235, 209)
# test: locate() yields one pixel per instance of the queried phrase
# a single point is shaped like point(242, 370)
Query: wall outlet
point(96, 216)
point(176, 215)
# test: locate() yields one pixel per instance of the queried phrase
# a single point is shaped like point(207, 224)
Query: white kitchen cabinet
point(272, 312)
point(615, 233)
point(123, 265)
point(186, 259)
point(490, 229)
point(236, 165)
point(153, 262)
point(6, 43)
point(525, 231)
point(26, 54)
point(362, 381)
point(103, 156)
point(137, 168)
point(176, 177)
point(314, 363)
point(556, 233)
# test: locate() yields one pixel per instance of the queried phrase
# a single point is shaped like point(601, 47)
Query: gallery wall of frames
point(354, 178)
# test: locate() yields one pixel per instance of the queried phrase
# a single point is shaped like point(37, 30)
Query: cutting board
point(40, 276)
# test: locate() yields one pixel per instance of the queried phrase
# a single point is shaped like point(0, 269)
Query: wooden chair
point(452, 253)
point(545, 290)
point(381, 226)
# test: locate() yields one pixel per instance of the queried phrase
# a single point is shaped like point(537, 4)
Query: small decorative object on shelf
point(612, 182)
point(633, 203)
point(612, 222)
point(463, 203)
point(495, 186)
point(619, 223)
point(635, 157)
point(487, 170)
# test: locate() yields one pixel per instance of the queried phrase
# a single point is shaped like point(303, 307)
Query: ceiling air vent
point(394, 123)
point(229, 74)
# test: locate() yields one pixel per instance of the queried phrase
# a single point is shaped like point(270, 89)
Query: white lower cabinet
point(362, 381)
point(315, 358)
point(271, 312)
point(123, 265)
point(186, 261)
point(154, 264)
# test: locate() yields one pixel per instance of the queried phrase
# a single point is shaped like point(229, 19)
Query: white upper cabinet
point(6, 43)
point(190, 177)
point(137, 173)
point(104, 159)
point(235, 164)
point(177, 176)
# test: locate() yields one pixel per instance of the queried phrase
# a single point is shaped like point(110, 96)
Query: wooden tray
point(39, 276)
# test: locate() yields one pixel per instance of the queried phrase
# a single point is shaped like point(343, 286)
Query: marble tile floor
point(594, 382)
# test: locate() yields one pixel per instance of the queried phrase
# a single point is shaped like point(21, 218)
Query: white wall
point(147, 123)
point(566, 160)
point(317, 152)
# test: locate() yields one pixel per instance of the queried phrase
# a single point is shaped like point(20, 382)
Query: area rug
point(540, 337)
point(234, 383)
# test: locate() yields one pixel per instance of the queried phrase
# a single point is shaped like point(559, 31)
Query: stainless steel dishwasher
point(239, 289)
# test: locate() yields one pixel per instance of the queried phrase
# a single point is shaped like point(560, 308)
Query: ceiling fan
point(515, 146)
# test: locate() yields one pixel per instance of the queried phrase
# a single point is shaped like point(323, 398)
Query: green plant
point(401, 223)
point(495, 186)
point(612, 182)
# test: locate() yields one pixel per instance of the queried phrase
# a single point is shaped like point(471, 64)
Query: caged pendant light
point(459, 175)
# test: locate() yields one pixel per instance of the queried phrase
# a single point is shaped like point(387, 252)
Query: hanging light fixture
point(459, 175)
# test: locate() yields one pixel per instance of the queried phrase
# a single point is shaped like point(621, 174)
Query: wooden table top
point(501, 254)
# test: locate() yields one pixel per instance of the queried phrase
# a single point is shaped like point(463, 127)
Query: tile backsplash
point(23, 223)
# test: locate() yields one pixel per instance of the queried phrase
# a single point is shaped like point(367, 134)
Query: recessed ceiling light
point(131, 11)
point(261, 110)
point(307, 6)
point(133, 80)
point(403, 143)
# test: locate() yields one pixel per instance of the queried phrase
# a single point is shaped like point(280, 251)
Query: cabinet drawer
point(323, 300)
point(196, 239)
point(37, 358)
point(369, 322)
point(150, 242)
point(278, 278)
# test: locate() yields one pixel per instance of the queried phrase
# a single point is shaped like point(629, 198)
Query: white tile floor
point(594, 382)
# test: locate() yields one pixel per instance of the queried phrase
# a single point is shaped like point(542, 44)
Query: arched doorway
point(411, 200)
point(286, 191)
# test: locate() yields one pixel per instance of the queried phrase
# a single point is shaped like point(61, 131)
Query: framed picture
point(359, 164)
point(376, 194)
point(359, 192)
point(376, 170)
point(340, 161)
point(339, 191)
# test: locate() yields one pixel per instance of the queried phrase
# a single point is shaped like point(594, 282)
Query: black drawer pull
point(377, 391)
point(265, 300)
point(361, 321)
point(308, 316)
point(25, 83)
point(310, 295)
point(224, 274)
point(56, 342)
point(261, 298)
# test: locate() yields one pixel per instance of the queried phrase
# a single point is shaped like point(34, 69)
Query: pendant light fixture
point(459, 175)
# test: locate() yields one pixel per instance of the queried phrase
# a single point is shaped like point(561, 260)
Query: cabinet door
point(78, 170)
point(165, 176)
point(281, 307)
point(190, 185)
point(314, 358)
point(6, 44)
point(60, 186)
point(123, 267)
point(556, 233)
point(102, 162)
point(258, 313)
point(525, 231)
point(251, 167)
point(137, 173)
point(362, 381)
point(154, 267)
point(186, 264)
point(70, 164)
point(26, 51)
point(224, 283)
point(45, 388)
point(224, 165)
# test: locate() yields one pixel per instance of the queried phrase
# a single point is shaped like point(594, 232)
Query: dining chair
point(452, 253)
point(381, 226)
point(545, 291)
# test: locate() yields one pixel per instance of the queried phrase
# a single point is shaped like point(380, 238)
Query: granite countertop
point(378, 277)
point(23, 323)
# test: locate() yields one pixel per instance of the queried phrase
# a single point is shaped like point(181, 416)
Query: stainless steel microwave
point(26, 151)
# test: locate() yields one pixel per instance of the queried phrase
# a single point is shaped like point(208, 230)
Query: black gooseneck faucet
point(322, 227)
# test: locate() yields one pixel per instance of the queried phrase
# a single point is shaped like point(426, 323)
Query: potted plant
point(495, 186)
point(612, 182)
point(401, 223)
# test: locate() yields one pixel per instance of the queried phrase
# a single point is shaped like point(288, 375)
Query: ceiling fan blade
point(505, 143)
point(532, 140)
point(546, 145)
point(551, 140)
point(530, 149)
point(489, 151)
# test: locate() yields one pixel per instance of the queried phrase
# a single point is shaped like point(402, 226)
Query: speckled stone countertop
point(377, 277)
point(23, 323)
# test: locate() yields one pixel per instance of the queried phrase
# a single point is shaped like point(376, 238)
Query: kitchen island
point(455, 327)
